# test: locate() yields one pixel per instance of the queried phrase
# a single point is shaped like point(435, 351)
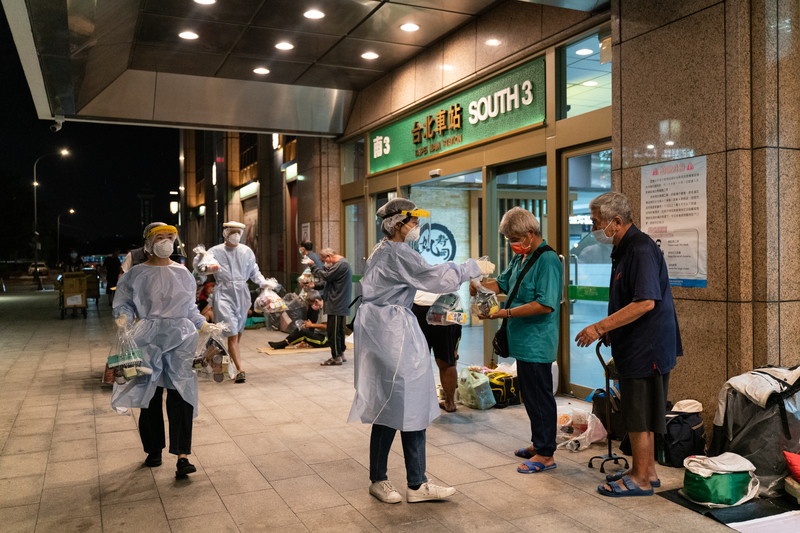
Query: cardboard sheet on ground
point(289, 350)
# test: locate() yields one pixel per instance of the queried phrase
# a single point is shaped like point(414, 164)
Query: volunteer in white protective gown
point(160, 293)
point(237, 264)
point(394, 383)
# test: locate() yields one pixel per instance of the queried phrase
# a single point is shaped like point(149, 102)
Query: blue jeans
point(380, 443)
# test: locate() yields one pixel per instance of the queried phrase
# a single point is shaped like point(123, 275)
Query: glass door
point(355, 244)
point(588, 175)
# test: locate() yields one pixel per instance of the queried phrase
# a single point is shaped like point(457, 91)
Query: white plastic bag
point(269, 302)
point(475, 390)
point(206, 263)
point(510, 369)
point(595, 431)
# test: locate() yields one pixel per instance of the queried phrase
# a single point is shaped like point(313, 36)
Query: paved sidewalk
point(274, 454)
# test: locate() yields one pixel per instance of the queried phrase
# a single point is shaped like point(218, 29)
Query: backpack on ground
point(685, 436)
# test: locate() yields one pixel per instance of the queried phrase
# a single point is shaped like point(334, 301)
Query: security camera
point(58, 125)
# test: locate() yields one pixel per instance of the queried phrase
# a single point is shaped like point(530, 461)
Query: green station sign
point(508, 102)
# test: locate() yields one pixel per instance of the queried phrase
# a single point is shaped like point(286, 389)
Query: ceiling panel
point(236, 11)
point(348, 54)
point(241, 68)
point(341, 16)
point(338, 77)
point(384, 24)
point(175, 61)
point(162, 30)
point(469, 7)
point(260, 42)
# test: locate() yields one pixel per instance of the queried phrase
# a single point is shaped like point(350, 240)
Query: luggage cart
point(610, 456)
point(72, 292)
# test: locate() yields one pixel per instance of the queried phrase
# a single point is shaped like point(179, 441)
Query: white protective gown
point(393, 372)
point(231, 294)
point(162, 298)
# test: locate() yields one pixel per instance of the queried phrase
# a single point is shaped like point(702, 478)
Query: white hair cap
point(230, 227)
point(391, 213)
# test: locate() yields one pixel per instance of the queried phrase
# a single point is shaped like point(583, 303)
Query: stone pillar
point(319, 201)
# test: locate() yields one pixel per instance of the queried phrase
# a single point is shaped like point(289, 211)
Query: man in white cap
point(237, 264)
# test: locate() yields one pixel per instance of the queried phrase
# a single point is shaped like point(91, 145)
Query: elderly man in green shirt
point(532, 328)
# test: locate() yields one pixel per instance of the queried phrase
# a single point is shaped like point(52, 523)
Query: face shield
point(160, 233)
point(419, 222)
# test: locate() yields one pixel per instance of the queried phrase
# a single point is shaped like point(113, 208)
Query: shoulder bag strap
point(539, 251)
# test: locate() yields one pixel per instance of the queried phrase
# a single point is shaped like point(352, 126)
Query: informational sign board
point(674, 215)
point(508, 102)
point(305, 232)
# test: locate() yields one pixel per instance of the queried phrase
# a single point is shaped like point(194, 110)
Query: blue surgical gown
point(162, 298)
point(232, 300)
point(393, 372)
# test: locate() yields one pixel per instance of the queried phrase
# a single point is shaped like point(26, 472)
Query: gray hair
point(327, 252)
point(518, 221)
point(610, 205)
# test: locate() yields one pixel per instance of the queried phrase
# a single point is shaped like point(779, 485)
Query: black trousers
point(151, 424)
point(314, 337)
point(536, 387)
point(336, 335)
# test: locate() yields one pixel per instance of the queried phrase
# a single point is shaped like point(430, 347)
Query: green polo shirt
point(534, 339)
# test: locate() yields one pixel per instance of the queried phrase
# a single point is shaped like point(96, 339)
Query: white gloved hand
point(206, 328)
point(486, 266)
point(270, 284)
point(122, 321)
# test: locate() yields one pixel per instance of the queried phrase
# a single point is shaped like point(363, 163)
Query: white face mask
point(413, 235)
point(163, 249)
point(234, 238)
point(601, 237)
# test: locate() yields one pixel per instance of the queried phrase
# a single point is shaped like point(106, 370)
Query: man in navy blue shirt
point(642, 328)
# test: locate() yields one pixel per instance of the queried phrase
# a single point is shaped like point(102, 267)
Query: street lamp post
point(58, 238)
point(36, 222)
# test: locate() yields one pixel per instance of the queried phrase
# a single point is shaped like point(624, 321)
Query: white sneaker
point(428, 492)
point(385, 492)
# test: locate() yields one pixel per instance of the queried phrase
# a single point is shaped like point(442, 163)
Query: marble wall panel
point(639, 17)
point(766, 231)
point(428, 72)
point(516, 25)
point(616, 180)
point(790, 332)
point(632, 188)
point(671, 90)
point(788, 73)
point(459, 54)
point(740, 338)
point(740, 224)
point(789, 224)
point(403, 80)
point(616, 110)
point(556, 19)
point(766, 334)
point(376, 100)
point(354, 120)
point(737, 73)
point(764, 61)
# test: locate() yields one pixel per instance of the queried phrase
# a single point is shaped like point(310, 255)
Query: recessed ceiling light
point(493, 42)
point(370, 55)
point(650, 146)
point(447, 67)
point(261, 70)
point(313, 14)
point(669, 143)
point(187, 35)
point(284, 46)
point(409, 27)
point(584, 52)
point(205, 2)
point(589, 83)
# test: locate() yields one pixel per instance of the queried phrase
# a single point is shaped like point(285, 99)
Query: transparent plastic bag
point(446, 310)
point(269, 302)
point(206, 263)
point(305, 278)
point(484, 303)
point(595, 431)
point(126, 358)
point(571, 423)
point(273, 285)
point(475, 390)
point(299, 324)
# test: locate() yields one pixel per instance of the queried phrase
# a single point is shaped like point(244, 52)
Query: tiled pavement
point(274, 454)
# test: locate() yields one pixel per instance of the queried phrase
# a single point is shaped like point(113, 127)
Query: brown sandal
point(331, 362)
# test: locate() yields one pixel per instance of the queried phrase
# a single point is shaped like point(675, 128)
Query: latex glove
point(307, 261)
point(206, 328)
point(487, 267)
point(122, 321)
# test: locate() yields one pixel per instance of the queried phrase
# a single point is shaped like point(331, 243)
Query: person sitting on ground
point(314, 329)
point(204, 301)
point(443, 340)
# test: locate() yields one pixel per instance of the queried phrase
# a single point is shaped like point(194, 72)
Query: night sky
point(108, 166)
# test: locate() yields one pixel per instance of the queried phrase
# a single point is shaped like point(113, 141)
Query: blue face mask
point(73, 255)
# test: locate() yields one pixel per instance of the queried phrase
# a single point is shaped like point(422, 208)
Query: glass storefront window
point(353, 161)
point(585, 77)
point(355, 244)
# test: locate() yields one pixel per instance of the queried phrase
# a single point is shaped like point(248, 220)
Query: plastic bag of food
point(273, 285)
point(475, 390)
point(571, 423)
point(126, 358)
point(446, 310)
point(269, 302)
point(206, 263)
point(484, 303)
point(595, 431)
point(305, 278)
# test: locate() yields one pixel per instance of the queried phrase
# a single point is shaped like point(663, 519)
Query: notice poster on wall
point(674, 215)
point(251, 230)
point(305, 232)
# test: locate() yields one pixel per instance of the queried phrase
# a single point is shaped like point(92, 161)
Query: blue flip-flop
point(524, 453)
point(616, 477)
point(617, 492)
point(534, 467)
